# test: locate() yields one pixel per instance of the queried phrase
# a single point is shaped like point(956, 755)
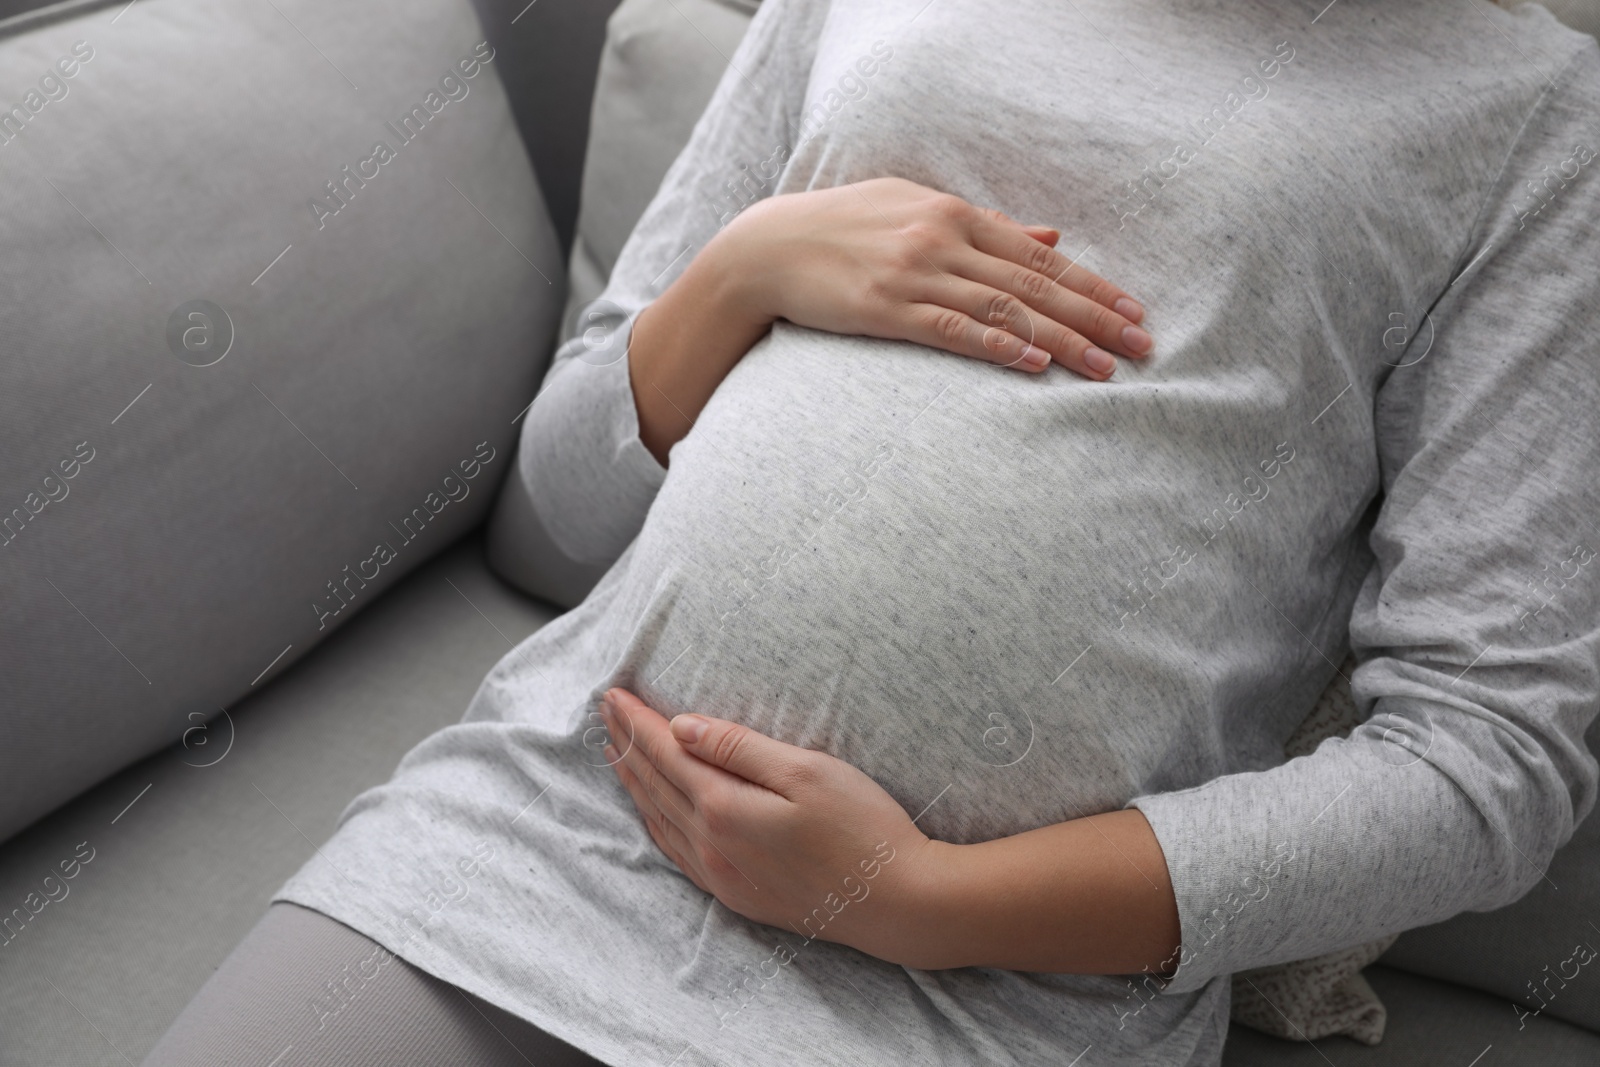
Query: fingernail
point(1128, 308)
point(1035, 357)
point(688, 728)
point(611, 754)
point(1137, 340)
point(1100, 362)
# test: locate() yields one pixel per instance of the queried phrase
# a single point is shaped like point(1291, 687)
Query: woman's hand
point(785, 836)
point(884, 258)
point(891, 258)
point(794, 838)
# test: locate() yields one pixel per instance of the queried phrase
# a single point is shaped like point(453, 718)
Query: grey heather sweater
point(1367, 242)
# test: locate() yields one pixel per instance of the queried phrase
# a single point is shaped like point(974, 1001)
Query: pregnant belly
point(910, 561)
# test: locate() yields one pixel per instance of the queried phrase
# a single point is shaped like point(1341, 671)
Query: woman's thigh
point(302, 990)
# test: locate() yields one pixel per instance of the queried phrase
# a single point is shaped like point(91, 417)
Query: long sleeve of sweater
point(1478, 627)
point(590, 478)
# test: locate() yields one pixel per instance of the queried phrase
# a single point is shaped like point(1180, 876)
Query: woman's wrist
point(927, 929)
point(746, 259)
point(685, 342)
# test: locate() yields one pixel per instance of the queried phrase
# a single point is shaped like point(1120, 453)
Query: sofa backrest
point(277, 280)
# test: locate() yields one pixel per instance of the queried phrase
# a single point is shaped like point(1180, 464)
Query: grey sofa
point(188, 844)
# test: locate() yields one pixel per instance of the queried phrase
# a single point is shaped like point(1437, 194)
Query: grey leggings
point(302, 990)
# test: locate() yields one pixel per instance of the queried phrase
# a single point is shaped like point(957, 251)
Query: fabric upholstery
point(229, 380)
point(177, 878)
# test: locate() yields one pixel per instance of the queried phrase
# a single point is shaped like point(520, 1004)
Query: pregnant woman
point(993, 665)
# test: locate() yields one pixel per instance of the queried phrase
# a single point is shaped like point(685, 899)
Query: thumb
point(736, 749)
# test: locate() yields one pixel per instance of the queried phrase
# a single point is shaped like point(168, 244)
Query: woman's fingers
point(669, 837)
point(663, 803)
point(653, 748)
point(1004, 240)
point(672, 801)
point(1023, 286)
point(955, 331)
point(1012, 328)
point(1100, 325)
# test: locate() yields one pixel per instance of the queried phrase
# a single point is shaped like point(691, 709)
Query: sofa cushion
point(174, 858)
point(278, 278)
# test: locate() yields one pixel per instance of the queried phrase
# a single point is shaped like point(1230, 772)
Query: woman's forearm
point(1089, 896)
point(686, 341)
